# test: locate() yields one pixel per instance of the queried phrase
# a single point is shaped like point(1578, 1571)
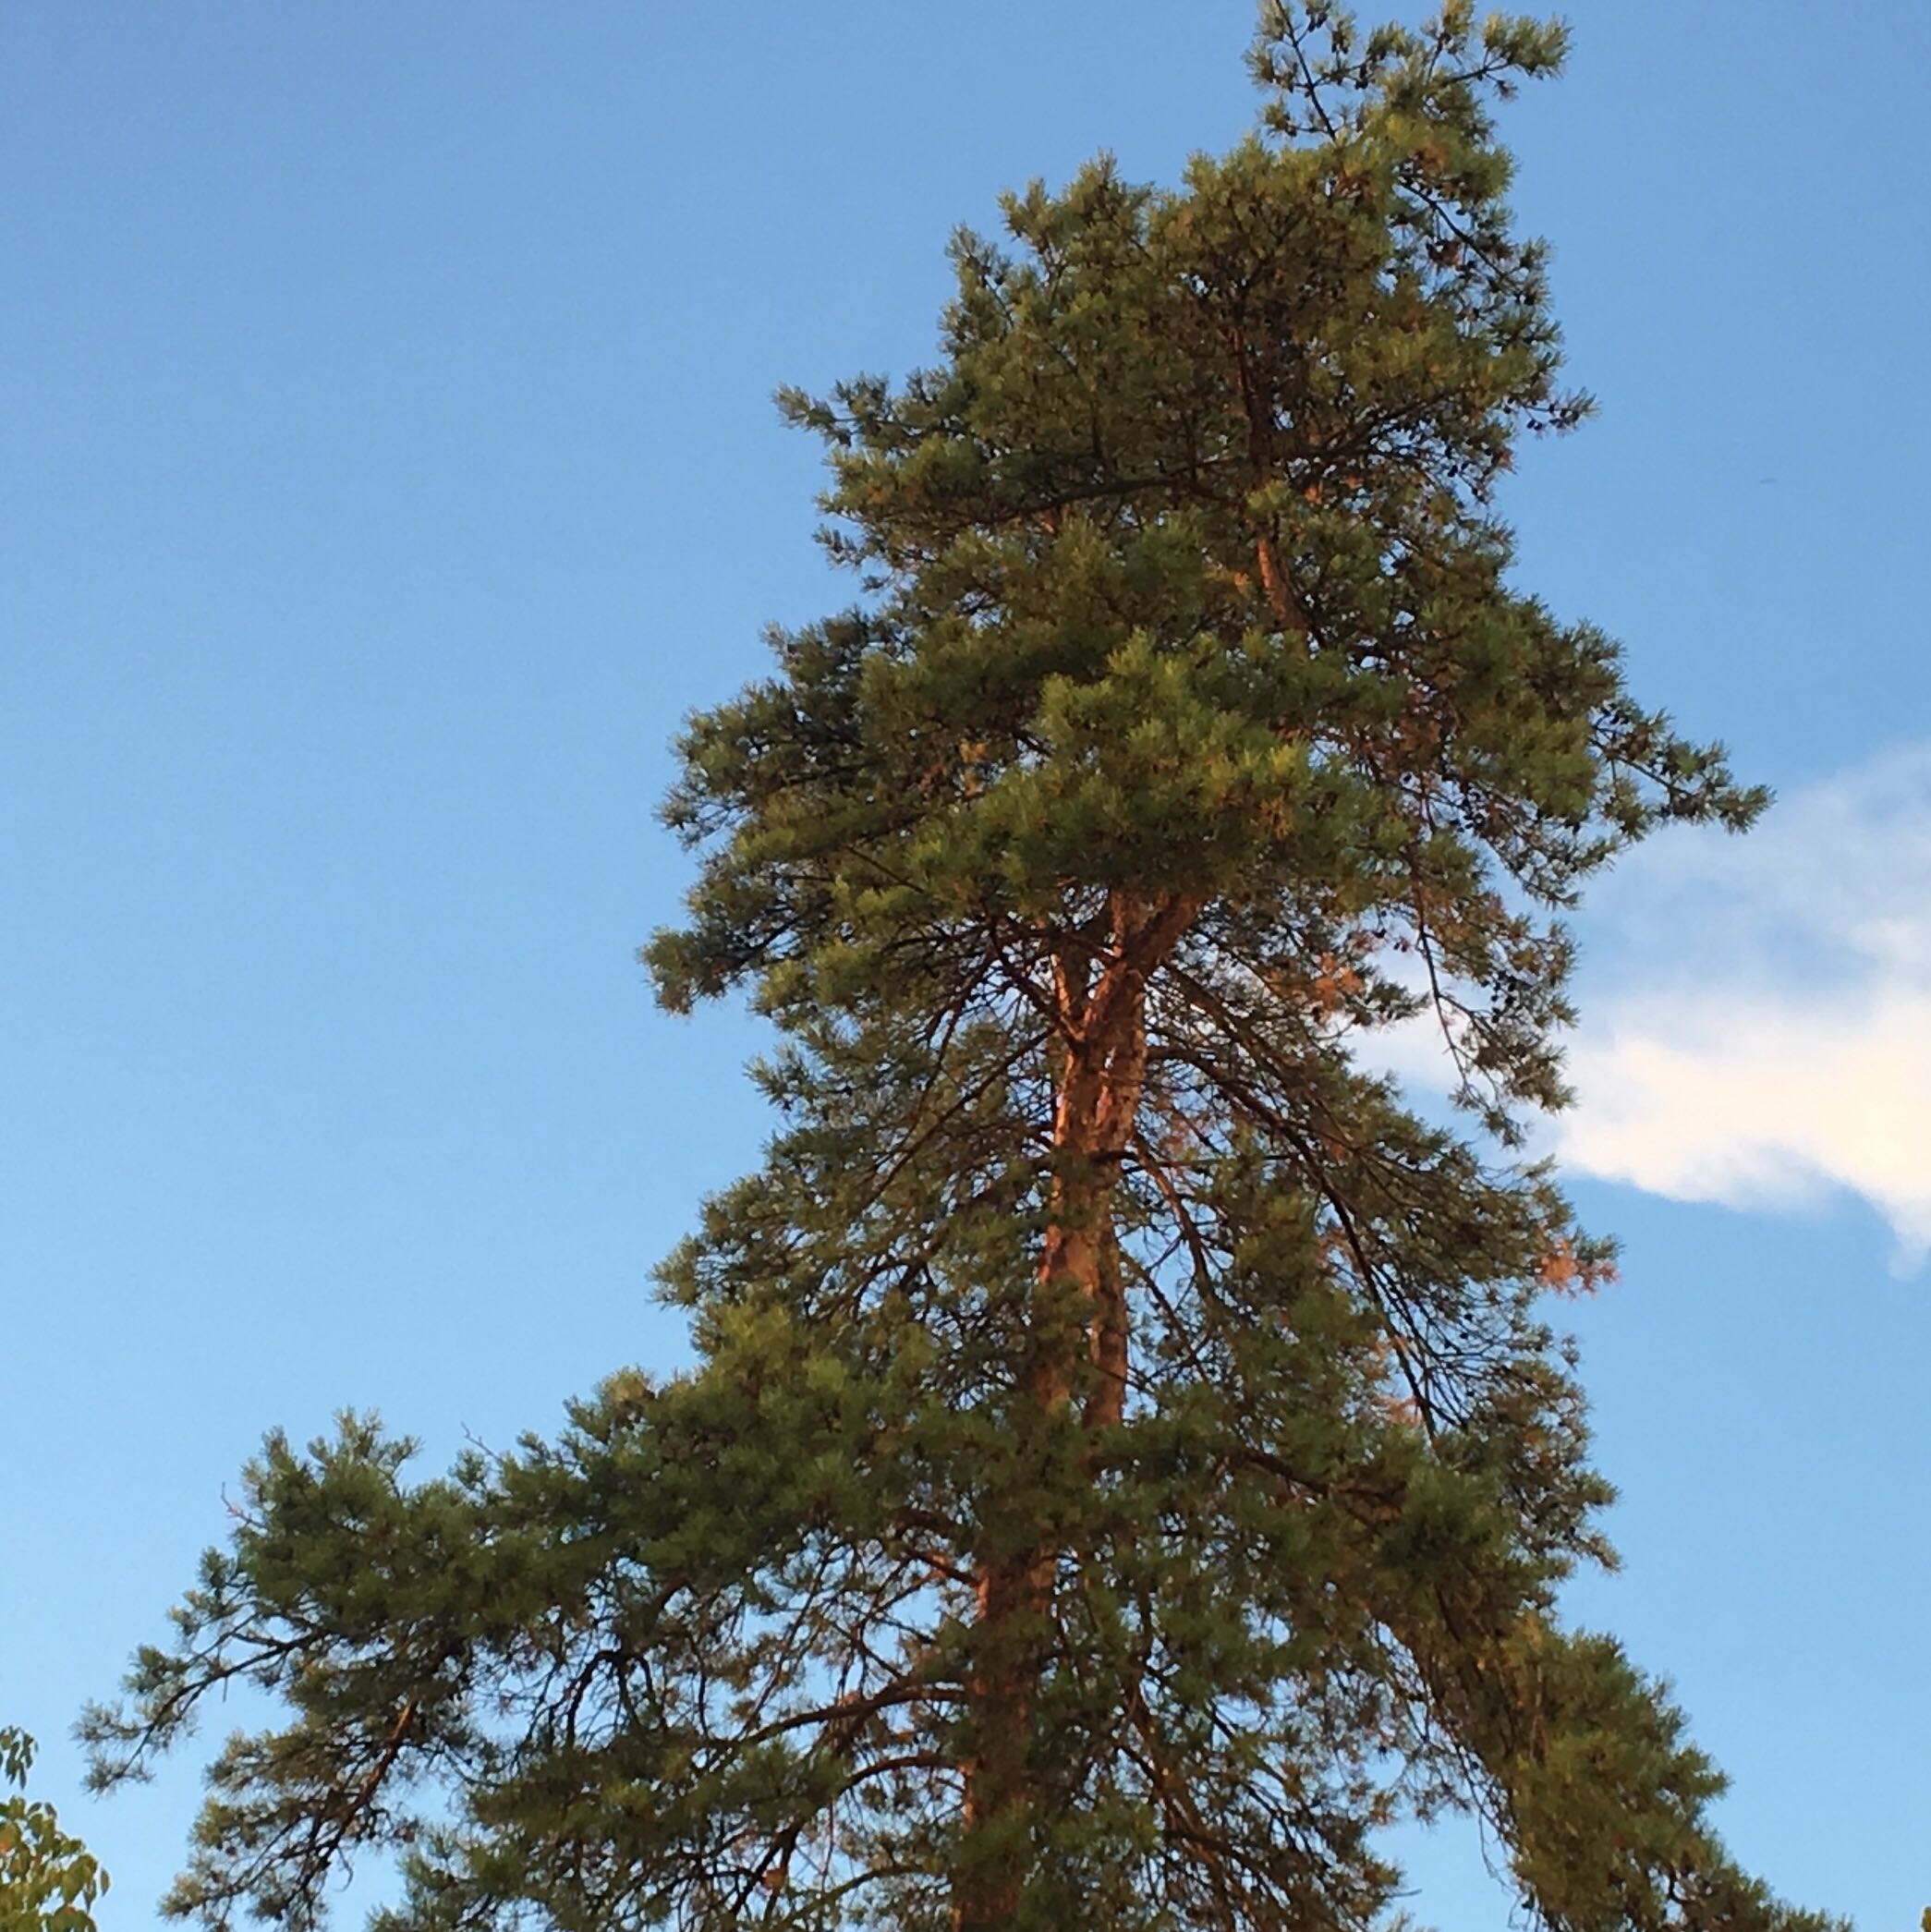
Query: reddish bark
point(1102, 1075)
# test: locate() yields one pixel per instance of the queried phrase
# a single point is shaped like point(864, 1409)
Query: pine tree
point(1130, 1465)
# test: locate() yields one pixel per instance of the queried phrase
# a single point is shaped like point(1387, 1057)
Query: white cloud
point(1756, 1012)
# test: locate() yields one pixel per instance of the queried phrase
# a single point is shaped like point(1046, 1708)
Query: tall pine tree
point(1129, 1466)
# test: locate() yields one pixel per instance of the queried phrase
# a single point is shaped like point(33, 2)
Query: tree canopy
point(1130, 1464)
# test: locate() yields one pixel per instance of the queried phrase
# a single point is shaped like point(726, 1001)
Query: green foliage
point(1130, 1464)
point(49, 1882)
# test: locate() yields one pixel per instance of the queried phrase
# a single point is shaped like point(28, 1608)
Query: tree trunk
point(1079, 1307)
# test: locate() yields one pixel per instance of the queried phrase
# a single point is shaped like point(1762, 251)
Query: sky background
point(388, 464)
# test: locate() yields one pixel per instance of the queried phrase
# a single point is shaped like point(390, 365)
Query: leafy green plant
point(49, 1881)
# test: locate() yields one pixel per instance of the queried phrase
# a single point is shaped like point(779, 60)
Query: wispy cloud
point(1757, 1012)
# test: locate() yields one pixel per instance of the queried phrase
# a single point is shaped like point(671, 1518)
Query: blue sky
point(386, 465)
